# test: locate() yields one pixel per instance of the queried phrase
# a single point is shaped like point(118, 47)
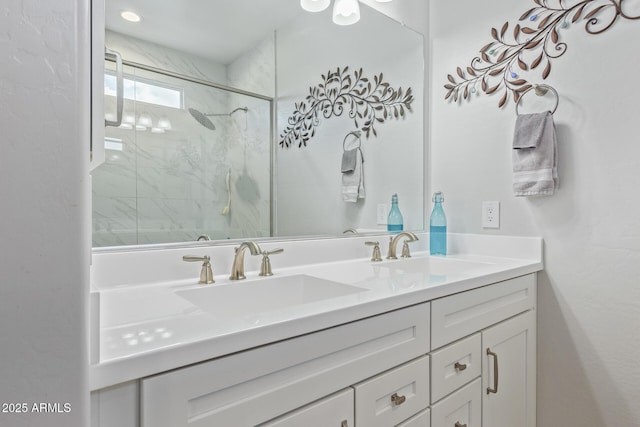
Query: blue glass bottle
point(394, 220)
point(438, 227)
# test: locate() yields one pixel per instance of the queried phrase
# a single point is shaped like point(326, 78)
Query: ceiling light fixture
point(345, 12)
point(130, 16)
point(145, 120)
point(315, 5)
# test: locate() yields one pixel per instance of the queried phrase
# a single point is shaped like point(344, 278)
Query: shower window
point(169, 178)
point(149, 91)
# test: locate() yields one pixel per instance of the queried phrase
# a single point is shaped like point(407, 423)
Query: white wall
point(588, 294)
point(44, 193)
point(393, 160)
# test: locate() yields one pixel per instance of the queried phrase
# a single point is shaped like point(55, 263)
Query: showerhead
point(202, 119)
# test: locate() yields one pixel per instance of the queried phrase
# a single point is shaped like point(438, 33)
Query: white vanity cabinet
point(464, 360)
point(497, 361)
point(262, 384)
point(333, 411)
point(398, 397)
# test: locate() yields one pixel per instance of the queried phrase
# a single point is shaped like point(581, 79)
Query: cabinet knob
point(397, 399)
point(344, 423)
point(459, 424)
point(460, 366)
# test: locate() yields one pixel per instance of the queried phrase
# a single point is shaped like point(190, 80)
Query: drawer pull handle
point(459, 424)
point(345, 423)
point(460, 367)
point(397, 399)
point(495, 372)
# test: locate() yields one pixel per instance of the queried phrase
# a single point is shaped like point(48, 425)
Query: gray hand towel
point(353, 182)
point(349, 159)
point(535, 158)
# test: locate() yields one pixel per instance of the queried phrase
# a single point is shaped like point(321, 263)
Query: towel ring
point(357, 134)
point(540, 90)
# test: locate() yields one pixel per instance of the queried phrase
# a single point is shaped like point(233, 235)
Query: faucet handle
point(375, 256)
point(405, 249)
point(206, 273)
point(265, 266)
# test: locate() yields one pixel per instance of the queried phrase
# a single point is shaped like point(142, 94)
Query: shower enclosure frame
point(272, 120)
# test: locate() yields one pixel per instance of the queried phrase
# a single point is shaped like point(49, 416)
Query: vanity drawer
point(462, 314)
point(455, 365)
point(392, 397)
point(261, 384)
point(461, 409)
point(423, 419)
point(335, 411)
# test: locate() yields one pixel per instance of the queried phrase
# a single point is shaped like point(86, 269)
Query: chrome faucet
point(237, 269)
point(393, 243)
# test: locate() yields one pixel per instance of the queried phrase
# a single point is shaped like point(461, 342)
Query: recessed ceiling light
point(130, 16)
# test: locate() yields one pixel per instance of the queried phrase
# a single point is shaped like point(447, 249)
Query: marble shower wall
point(171, 186)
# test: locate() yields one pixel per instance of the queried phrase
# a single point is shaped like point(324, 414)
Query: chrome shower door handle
point(117, 58)
point(495, 372)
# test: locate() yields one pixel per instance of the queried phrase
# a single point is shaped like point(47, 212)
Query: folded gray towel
point(535, 159)
point(349, 159)
point(529, 130)
point(353, 182)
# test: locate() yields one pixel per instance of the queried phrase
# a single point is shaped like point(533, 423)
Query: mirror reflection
point(198, 155)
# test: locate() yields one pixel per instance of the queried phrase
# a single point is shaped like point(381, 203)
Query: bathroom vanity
point(423, 341)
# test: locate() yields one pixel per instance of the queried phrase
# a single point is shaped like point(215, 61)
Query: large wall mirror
point(211, 86)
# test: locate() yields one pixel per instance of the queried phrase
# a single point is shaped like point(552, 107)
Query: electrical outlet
point(382, 214)
point(490, 214)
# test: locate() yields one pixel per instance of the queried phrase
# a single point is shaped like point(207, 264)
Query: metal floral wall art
point(367, 101)
point(531, 44)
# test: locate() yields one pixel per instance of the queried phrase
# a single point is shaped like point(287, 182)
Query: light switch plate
point(382, 214)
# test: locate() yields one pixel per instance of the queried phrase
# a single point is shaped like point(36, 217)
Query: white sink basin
point(437, 265)
point(262, 295)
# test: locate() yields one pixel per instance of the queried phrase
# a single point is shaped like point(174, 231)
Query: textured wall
point(588, 293)
point(44, 227)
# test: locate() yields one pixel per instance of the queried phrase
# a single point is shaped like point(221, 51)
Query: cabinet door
point(333, 411)
point(508, 373)
point(115, 406)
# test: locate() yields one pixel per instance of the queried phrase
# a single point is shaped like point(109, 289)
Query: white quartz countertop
point(145, 329)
